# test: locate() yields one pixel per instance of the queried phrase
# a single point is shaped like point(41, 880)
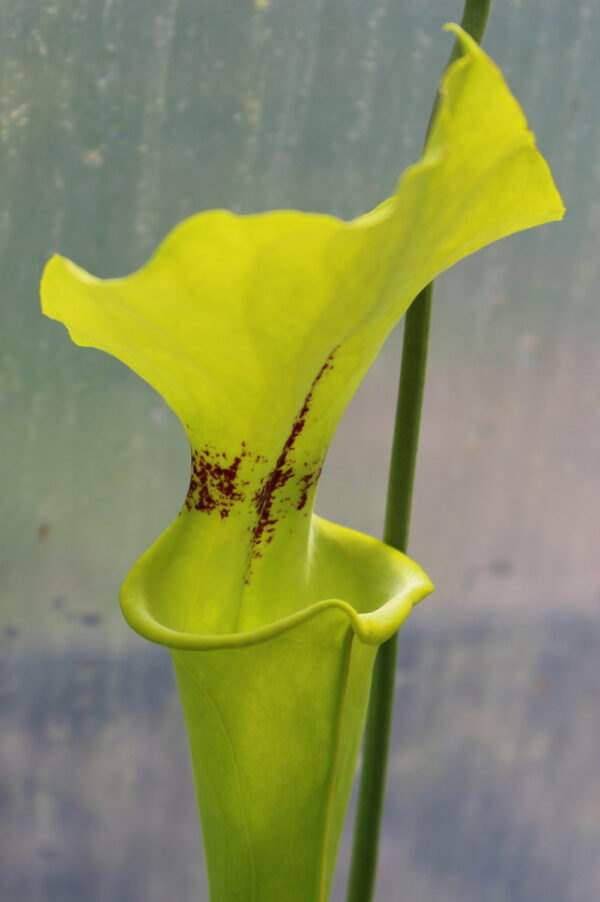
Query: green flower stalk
point(257, 331)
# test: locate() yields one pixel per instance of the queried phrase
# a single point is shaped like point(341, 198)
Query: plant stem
point(397, 523)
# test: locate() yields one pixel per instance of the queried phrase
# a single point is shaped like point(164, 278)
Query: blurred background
point(117, 119)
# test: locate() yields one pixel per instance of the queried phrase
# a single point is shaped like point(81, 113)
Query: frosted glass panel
point(117, 119)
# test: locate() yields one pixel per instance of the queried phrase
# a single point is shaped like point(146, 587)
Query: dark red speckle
point(219, 482)
point(213, 483)
point(306, 483)
point(283, 471)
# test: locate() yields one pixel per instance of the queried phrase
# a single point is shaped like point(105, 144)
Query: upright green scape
point(257, 331)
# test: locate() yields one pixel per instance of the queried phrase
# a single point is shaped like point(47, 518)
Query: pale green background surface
point(116, 120)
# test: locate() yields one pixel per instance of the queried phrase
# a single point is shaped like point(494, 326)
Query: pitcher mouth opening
point(393, 596)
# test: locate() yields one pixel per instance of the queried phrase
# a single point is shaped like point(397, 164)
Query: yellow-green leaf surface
point(257, 331)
